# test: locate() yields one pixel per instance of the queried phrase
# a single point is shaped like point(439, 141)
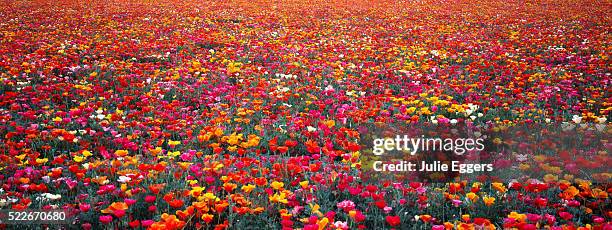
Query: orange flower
point(115, 206)
point(499, 187)
point(229, 187)
point(570, 193)
point(221, 206)
point(425, 218)
point(121, 152)
point(472, 196)
point(183, 215)
point(156, 188)
point(171, 222)
point(488, 200)
point(207, 218)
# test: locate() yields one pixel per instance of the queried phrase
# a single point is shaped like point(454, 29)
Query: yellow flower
point(304, 184)
point(174, 154)
point(322, 223)
point(233, 139)
point(278, 198)
point(41, 160)
point(196, 191)
point(173, 143)
point(233, 67)
point(247, 188)
point(86, 153)
point(78, 159)
point(209, 196)
point(218, 166)
point(277, 185)
point(550, 178)
point(232, 148)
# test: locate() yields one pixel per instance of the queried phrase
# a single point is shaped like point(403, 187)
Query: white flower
point(576, 119)
point(311, 129)
point(124, 179)
point(602, 120)
point(522, 157)
point(54, 197)
point(567, 126)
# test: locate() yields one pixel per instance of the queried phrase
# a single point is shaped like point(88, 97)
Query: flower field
point(234, 114)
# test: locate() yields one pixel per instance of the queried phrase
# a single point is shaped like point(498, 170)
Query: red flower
point(176, 203)
point(134, 224)
point(380, 204)
point(566, 215)
point(393, 220)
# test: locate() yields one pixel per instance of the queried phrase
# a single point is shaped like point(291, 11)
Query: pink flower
point(533, 217)
point(119, 213)
point(84, 207)
point(86, 226)
point(106, 219)
point(346, 205)
point(150, 199)
point(129, 201)
point(146, 223)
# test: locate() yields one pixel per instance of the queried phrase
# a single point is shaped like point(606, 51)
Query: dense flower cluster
point(233, 114)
